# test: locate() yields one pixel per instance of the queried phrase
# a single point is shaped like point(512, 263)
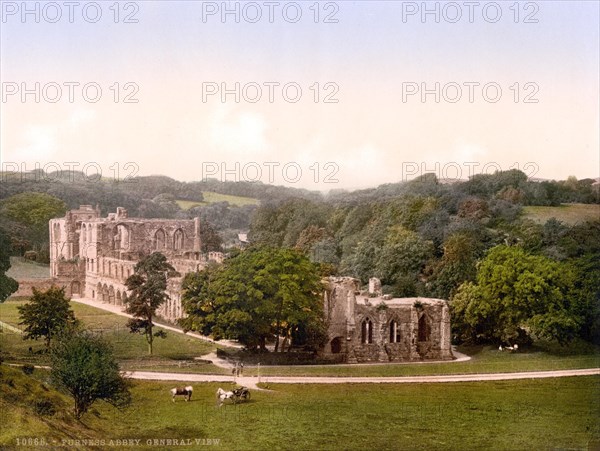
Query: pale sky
point(538, 61)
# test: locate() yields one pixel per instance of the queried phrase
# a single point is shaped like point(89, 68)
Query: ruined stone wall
point(380, 330)
point(339, 302)
point(93, 256)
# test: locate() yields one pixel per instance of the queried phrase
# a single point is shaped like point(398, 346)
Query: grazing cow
point(186, 391)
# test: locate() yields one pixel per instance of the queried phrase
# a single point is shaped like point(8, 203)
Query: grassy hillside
point(33, 411)
point(21, 268)
point(130, 349)
point(211, 198)
point(567, 213)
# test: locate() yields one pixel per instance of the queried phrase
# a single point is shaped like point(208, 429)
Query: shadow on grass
point(577, 347)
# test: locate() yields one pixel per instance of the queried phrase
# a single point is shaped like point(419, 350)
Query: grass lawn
point(129, 348)
point(567, 213)
point(21, 268)
point(212, 197)
point(484, 359)
point(557, 413)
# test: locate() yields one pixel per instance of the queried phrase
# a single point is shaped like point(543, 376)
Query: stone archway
point(111, 295)
point(160, 240)
point(424, 329)
point(75, 288)
point(119, 299)
point(105, 297)
point(336, 345)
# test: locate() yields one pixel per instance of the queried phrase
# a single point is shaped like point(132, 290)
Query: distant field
point(567, 213)
point(211, 198)
point(21, 268)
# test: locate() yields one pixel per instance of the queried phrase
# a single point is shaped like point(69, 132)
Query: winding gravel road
point(252, 381)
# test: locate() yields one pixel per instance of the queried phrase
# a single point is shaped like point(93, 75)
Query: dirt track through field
point(252, 381)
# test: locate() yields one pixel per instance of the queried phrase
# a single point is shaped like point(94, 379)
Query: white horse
point(186, 391)
point(222, 395)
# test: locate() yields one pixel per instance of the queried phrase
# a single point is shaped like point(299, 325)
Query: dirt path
point(252, 381)
point(14, 329)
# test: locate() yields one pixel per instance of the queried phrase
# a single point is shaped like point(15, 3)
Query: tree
point(148, 287)
point(86, 368)
point(586, 295)
point(457, 265)
point(262, 292)
point(8, 285)
point(209, 238)
point(28, 214)
point(47, 314)
point(517, 296)
point(404, 253)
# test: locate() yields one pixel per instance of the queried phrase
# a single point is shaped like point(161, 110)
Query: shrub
point(28, 369)
point(44, 407)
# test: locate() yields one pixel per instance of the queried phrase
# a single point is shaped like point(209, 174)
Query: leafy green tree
point(33, 209)
point(86, 368)
point(261, 293)
point(586, 295)
point(47, 314)
point(457, 265)
point(28, 215)
point(404, 253)
point(8, 285)
point(148, 288)
point(210, 240)
point(517, 296)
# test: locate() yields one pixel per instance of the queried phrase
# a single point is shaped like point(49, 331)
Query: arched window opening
point(367, 332)
point(424, 328)
point(160, 240)
point(336, 345)
point(178, 240)
point(394, 332)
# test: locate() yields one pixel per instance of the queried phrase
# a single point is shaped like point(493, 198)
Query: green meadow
point(557, 413)
point(567, 213)
point(211, 198)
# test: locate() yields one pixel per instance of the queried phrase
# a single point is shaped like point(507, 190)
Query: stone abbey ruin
point(371, 327)
point(92, 257)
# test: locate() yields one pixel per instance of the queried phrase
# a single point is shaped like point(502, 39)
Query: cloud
point(240, 134)
point(40, 142)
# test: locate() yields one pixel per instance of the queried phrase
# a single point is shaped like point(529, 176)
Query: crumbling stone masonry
point(93, 256)
point(369, 327)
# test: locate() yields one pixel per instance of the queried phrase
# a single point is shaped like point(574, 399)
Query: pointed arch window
point(424, 328)
point(394, 331)
point(178, 240)
point(367, 331)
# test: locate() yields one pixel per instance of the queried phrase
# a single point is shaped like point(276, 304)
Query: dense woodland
point(461, 241)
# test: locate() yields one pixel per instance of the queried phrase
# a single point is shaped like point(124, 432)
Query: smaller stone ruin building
point(370, 327)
